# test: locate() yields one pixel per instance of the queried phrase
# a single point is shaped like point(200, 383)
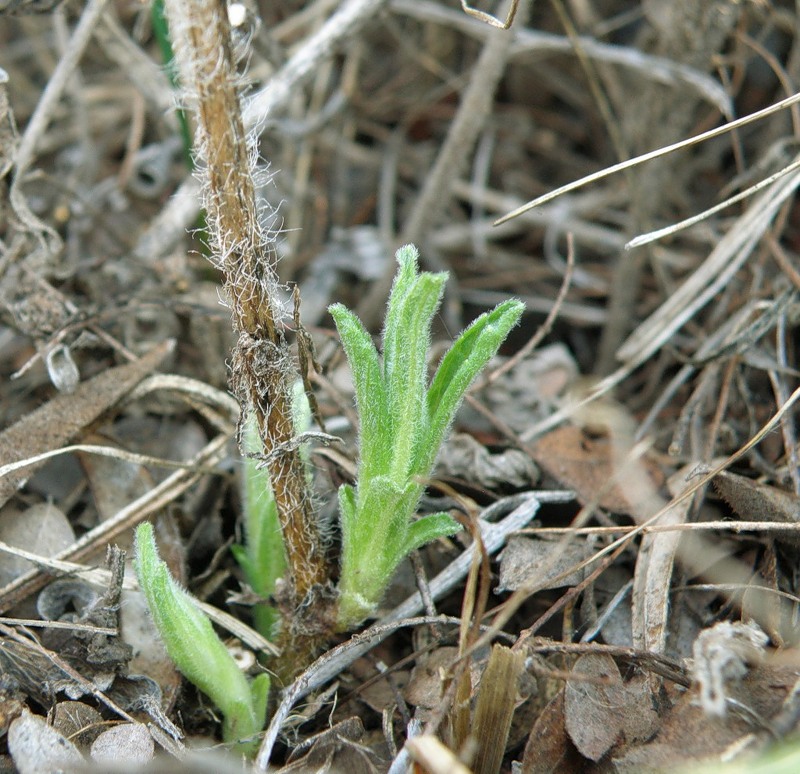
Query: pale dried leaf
point(37, 748)
point(128, 744)
point(593, 708)
point(528, 561)
point(42, 529)
point(114, 482)
point(529, 391)
point(463, 457)
point(613, 606)
point(655, 563)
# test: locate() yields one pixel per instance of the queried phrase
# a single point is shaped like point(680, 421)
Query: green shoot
point(197, 651)
point(263, 557)
point(161, 33)
point(402, 425)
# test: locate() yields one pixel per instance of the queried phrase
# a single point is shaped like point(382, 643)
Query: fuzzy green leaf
point(262, 557)
point(375, 523)
point(429, 528)
point(406, 380)
point(375, 540)
point(194, 646)
point(259, 691)
point(375, 430)
point(463, 362)
point(407, 258)
point(264, 543)
point(348, 515)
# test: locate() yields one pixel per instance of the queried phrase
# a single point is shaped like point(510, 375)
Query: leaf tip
point(407, 254)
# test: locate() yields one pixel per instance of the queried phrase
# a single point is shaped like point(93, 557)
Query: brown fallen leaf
point(640, 720)
point(753, 501)
point(113, 482)
point(339, 748)
point(61, 419)
point(584, 462)
point(77, 721)
point(549, 750)
point(426, 686)
point(525, 561)
point(688, 735)
point(42, 529)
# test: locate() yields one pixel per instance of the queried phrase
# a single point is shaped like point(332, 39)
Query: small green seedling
point(262, 557)
point(402, 425)
point(197, 651)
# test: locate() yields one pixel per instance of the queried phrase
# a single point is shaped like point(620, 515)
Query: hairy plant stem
point(262, 371)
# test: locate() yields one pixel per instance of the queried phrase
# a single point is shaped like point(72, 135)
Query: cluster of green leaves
point(403, 422)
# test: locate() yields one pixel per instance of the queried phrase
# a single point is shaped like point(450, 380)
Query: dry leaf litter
point(643, 414)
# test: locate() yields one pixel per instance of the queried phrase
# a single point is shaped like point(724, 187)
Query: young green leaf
point(402, 285)
point(370, 390)
point(429, 528)
point(465, 359)
point(407, 377)
point(196, 649)
point(262, 557)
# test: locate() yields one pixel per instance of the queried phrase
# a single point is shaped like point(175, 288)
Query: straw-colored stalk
point(262, 372)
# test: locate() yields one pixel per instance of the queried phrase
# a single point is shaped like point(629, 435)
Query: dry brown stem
point(262, 373)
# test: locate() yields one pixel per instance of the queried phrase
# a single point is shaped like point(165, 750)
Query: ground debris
point(653, 342)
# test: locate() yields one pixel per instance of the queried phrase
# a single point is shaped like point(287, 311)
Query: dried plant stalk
point(262, 371)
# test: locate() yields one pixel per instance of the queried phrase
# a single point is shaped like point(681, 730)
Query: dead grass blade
point(658, 153)
point(494, 709)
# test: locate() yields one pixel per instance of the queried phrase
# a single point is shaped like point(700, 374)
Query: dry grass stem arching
point(262, 371)
point(488, 18)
